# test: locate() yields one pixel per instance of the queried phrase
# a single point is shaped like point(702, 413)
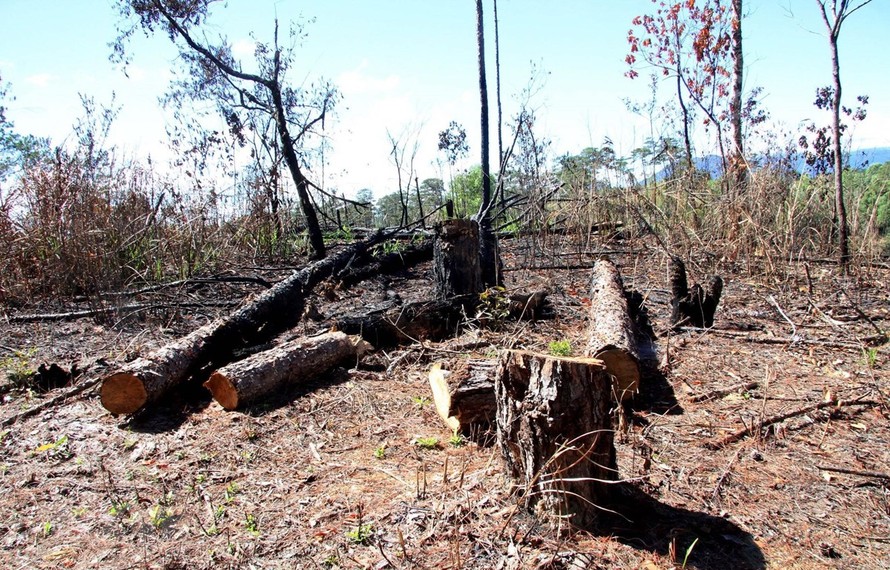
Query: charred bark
point(464, 395)
point(456, 265)
point(693, 307)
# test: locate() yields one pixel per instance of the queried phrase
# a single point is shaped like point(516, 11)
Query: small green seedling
point(420, 401)
point(361, 534)
point(560, 348)
point(251, 524)
point(380, 452)
point(457, 440)
point(159, 515)
point(427, 442)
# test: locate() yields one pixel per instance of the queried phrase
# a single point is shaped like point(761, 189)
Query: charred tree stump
point(464, 396)
point(147, 379)
point(693, 307)
point(268, 372)
point(612, 335)
point(456, 265)
point(555, 433)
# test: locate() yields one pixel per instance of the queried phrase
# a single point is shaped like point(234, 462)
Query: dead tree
point(693, 307)
point(456, 265)
point(611, 334)
point(555, 433)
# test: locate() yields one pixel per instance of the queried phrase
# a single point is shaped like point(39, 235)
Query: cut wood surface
point(147, 379)
point(270, 371)
point(456, 266)
point(611, 334)
point(555, 432)
point(464, 395)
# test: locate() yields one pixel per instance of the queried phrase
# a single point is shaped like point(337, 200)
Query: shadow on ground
point(713, 543)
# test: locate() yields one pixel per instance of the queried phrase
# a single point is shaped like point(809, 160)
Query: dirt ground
point(356, 470)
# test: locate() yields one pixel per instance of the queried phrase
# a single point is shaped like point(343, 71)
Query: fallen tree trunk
point(432, 320)
point(146, 379)
point(692, 307)
point(386, 263)
point(267, 372)
point(555, 433)
point(464, 396)
point(612, 335)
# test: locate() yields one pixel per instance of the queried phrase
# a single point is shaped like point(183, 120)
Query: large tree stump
point(268, 372)
point(693, 307)
point(611, 334)
point(464, 395)
point(555, 432)
point(456, 266)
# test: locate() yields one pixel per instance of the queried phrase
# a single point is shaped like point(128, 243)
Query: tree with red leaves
point(694, 43)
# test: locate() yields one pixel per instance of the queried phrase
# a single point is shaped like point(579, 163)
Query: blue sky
point(409, 67)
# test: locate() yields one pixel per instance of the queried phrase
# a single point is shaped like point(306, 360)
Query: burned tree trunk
point(386, 263)
point(268, 372)
point(554, 430)
point(464, 396)
point(456, 265)
point(147, 379)
point(692, 307)
point(611, 335)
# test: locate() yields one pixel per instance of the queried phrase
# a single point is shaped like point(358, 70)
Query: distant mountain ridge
point(861, 158)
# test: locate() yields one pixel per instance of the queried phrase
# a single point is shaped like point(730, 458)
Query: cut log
point(147, 379)
point(555, 433)
point(291, 363)
point(456, 266)
point(611, 335)
point(693, 307)
point(464, 396)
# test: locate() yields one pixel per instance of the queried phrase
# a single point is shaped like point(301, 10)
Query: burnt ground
point(332, 474)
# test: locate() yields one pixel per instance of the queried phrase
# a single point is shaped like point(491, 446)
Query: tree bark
point(612, 335)
point(265, 373)
point(555, 434)
point(456, 259)
point(464, 396)
point(693, 307)
point(739, 165)
point(388, 263)
point(145, 380)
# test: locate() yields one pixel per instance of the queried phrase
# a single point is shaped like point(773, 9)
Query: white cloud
point(244, 47)
point(39, 79)
point(358, 82)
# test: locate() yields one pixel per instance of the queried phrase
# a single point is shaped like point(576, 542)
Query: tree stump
point(268, 372)
point(555, 433)
point(456, 266)
point(464, 395)
point(693, 307)
point(611, 335)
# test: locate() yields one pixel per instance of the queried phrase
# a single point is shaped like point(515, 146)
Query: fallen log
point(611, 334)
point(693, 307)
point(555, 433)
point(432, 320)
point(146, 379)
point(267, 372)
point(464, 396)
point(387, 263)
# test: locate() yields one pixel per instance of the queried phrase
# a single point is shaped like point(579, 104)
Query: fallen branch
point(721, 392)
point(749, 430)
point(873, 474)
point(107, 311)
point(49, 403)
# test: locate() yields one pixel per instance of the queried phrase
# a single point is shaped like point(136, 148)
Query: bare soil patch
point(356, 470)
